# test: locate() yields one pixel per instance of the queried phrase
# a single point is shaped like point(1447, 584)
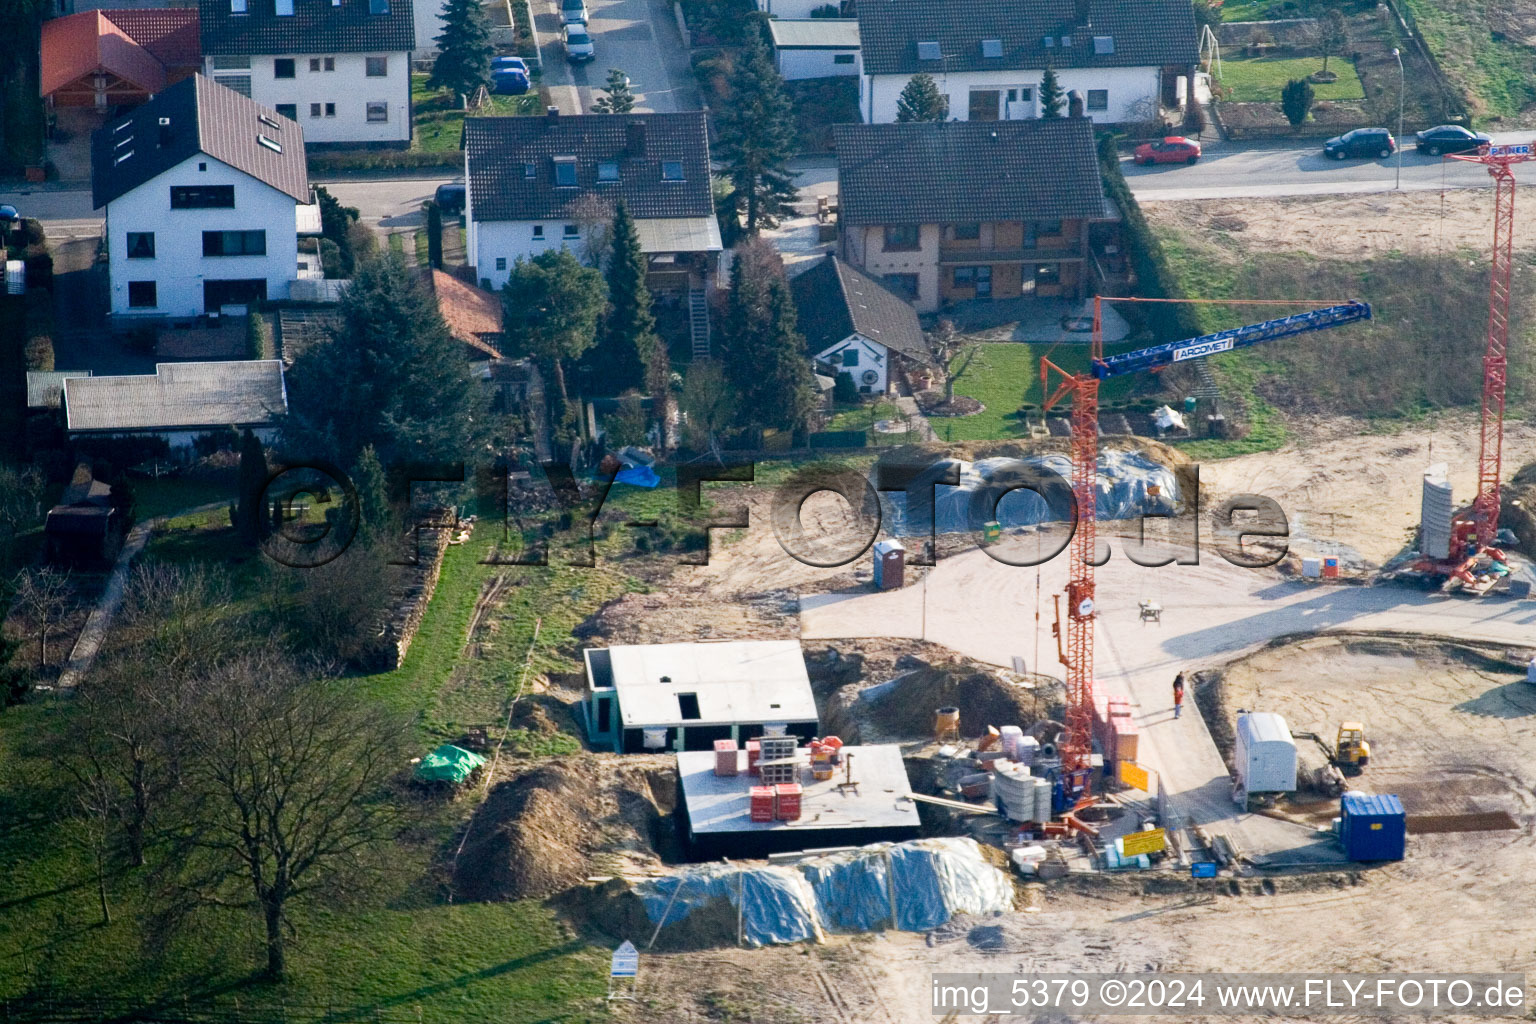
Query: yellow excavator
point(1350, 752)
point(1351, 748)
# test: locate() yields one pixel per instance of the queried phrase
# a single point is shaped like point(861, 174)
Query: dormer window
point(264, 119)
point(992, 48)
point(672, 170)
point(608, 170)
point(1066, 41)
point(272, 144)
point(530, 170)
point(283, 8)
point(236, 6)
point(378, 6)
point(1049, 42)
point(565, 172)
point(928, 51)
point(1103, 45)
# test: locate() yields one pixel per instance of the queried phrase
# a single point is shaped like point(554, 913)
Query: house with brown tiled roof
point(473, 314)
point(117, 57)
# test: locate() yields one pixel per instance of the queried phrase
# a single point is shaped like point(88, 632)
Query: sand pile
point(905, 706)
point(553, 827)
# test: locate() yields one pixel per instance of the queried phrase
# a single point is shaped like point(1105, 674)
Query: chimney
point(634, 140)
point(1084, 19)
point(551, 112)
point(165, 132)
point(1075, 105)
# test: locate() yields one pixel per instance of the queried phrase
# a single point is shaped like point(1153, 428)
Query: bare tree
point(953, 353)
point(286, 784)
point(21, 502)
point(43, 596)
point(708, 404)
point(594, 219)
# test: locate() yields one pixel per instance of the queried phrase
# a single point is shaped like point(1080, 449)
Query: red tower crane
point(1076, 744)
point(1500, 161)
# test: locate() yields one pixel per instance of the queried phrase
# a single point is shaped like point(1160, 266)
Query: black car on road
point(1366, 142)
point(450, 197)
point(1449, 138)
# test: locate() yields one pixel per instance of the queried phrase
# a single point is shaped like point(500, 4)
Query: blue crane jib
point(1159, 356)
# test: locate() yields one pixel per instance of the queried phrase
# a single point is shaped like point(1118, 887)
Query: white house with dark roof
point(950, 211)
point(204, 192)
point(538, 183)
point(341, 68)
point(179, 401)
point(855, 325)
point(1126, 59)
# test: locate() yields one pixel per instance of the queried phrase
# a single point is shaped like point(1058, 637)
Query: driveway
point(639, 37)
point(1212, 612)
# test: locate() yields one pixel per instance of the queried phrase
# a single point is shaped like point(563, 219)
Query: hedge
point(38, 351)
point(1156, 279)
point(385, 160)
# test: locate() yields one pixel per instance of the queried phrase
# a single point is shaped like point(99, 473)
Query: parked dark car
point(509, 82)
point(1362, 142)
point(450, 197)
point(1449, 138)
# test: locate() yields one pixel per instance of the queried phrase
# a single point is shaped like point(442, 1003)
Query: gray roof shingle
point(204, 117)
point(960, 171)
point(315, 26)
point(1145, 32)
point(833, 300)
point(500, 149)
point(180, 396)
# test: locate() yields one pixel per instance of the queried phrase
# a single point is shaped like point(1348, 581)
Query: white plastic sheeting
point(991, 490)
point(926, 881)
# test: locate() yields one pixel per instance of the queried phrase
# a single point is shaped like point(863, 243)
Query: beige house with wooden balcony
point(953, 211)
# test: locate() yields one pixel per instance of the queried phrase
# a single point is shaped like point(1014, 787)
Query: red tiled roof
point(169, 33)
point(83, 43)
point(469, 311)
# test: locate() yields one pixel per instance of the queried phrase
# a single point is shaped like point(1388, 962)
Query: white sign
point(1196, 351)
point(1511, 149)
point(626, 961)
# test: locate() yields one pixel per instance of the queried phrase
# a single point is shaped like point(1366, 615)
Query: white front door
point(1020, 103)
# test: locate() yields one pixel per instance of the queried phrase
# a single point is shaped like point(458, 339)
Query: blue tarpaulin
point(637, 476)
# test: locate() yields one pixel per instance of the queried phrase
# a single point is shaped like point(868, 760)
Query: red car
point(1175, 149)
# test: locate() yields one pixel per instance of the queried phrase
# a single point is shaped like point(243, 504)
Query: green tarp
point(448, 763)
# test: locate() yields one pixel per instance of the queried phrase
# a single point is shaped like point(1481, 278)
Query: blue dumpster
point(1373, 827)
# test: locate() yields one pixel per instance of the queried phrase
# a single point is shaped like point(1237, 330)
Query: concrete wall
point(797, 64)
point(1133, 92)
point(348, 87)
point(179, 267)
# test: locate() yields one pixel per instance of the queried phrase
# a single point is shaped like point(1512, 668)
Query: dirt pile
point(906, 705)
point(552, 827)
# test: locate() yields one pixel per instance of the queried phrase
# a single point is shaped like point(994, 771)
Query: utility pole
point(1400, 90)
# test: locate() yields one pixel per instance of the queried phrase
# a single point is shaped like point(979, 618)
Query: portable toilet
point(890, 563)
point(1265, 753)
point(1372, 827)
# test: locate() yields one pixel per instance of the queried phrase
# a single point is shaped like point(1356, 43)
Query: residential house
point(473, 314)
point(1125, 59)
point(651, 697)
point(117, 57)
point(942, 212)
point(537, 183)
point(341, 68)
point(204, 191)
point(815, 47)
point(179, 402)
point(855, 325)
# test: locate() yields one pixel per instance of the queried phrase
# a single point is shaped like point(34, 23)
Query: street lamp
point(1400, 88)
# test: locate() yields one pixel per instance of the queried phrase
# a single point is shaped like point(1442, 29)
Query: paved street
point(1230, 170)
point(639, 37)
point(1212, 612)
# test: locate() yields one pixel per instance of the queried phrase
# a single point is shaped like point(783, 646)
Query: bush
point(330, 259)
point(39, 331)
point(385, 160)
point(827, 11)
point(844, 390)
point(1296, 100)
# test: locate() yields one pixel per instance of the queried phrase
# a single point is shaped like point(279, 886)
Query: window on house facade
point(314, 110)
point(608, 170)
point(288, 110)
point(1048, 273)
point(376, 67)
point(538, 231)
point(314, 63)
point(842, 58)
point(850, 357)
point(572, 231)
point(901, 238)
point(378, 110)
point(330, 63)
point(282, 67)
point(672, 170)
point(202, 197)
point(141, 295)
point(501, 263)
point(565, 172)
point(1047, 227)
point(904, 285)
point(979, 278)
point(239, 83)
point(234, 243)
point(141, 245)
point(330, 110)
point(984, 104)
point(967, 232)
point(1098, 99)
point(231, 62)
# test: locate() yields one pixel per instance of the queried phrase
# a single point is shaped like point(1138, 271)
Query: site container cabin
point(1265, 754)
point(653, 697)
point(1372, 827)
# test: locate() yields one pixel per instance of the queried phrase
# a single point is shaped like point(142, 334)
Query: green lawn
point(1260, 79)
point(169, 495)
point(1006, 376)
point(1478, 46)
point(439, 124)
